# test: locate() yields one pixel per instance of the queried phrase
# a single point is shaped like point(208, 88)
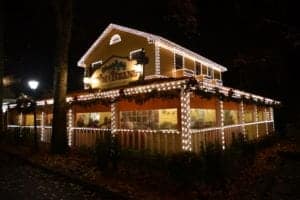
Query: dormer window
point(135, 54)
point(116, 38)
point(96, 64)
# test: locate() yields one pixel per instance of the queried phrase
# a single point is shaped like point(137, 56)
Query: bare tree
point(63, 20)
point(1, 62)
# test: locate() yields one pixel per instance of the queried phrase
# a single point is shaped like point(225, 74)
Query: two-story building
point(154, 94)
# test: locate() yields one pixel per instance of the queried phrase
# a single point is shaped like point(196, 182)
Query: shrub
point(107, 152)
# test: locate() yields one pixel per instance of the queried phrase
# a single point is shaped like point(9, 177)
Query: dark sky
point(258, 40)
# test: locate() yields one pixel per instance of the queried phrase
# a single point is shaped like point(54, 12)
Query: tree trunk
point(63, 16)
point(1, 62)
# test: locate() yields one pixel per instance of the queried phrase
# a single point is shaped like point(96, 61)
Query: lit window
point(230, 117)
point(95, 119)
point(116, 38)
point(249, 116)
point(260, 115)
point(178, 61)
point(149, 119)
point(203, 118)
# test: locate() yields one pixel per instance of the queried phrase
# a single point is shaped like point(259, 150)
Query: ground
point(274, 174)
point(19, 180)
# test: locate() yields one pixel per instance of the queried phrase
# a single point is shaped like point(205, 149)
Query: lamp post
point(33, 85)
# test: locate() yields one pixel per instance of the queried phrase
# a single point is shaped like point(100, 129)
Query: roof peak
point(160, 40)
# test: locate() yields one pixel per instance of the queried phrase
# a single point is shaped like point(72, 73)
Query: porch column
point(272, 118)
point(220, 121)
point(43, 126)
point(114, 115)
point(186, 137)
point(70, 127)
point(256, 120)
point(242, 118)
point(266, 118)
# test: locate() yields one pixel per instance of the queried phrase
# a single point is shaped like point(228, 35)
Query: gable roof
point(155, 38)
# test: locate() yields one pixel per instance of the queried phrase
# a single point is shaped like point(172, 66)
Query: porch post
point(70, 127)
point(186, 137)
point(113, 109)
point(43, 126)
point(256, 120)
point(272, 118)
point(220, 121)
point(242, 118)
point(266, 118)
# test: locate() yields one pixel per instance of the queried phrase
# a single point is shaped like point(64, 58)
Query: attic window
point(116, 38)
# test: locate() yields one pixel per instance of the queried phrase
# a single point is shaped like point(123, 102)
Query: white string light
point(243, 119)
point(113, 119)
point(266, 118)
point(70, 126)
point(43, 127)
point(222, 124)
point(256, 120)
point(185, 120)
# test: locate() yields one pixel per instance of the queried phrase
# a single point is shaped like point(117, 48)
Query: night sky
point(258, 40)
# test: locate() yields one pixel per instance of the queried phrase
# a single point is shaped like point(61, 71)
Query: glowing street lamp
point(33, 85)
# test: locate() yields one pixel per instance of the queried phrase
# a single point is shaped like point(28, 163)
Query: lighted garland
point(191, 85)
point(144, 97)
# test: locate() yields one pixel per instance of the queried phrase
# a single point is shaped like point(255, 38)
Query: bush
point(107, 152)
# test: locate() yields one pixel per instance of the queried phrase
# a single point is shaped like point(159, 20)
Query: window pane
point(178, 61)
point(249, 116)
point(149, 119)
point(97, 119)
point(29, 120)
point(260, 115)
point(217, 75)
point(204, 69)
point(198, 68)
point(203, 118)
point(210, 72)
point(230, 117)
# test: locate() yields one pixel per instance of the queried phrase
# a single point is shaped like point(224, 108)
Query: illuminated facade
point(154, 94)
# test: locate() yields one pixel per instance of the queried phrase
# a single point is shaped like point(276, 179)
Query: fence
point(202, 138)
point(154, 141)
point(164, 141)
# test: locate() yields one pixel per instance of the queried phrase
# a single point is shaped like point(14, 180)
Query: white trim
point(162, 42)
point(157, 59)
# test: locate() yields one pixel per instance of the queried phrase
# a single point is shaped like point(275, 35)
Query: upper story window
point(204, 70)
point(178, 61)
point(116, 38)
point(217, 75)
point(198, 68)
point(210, 72)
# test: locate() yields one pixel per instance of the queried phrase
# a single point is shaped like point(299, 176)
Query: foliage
point(20, 136)
point(107, 152)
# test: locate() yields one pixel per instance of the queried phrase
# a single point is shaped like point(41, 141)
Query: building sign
point(115, 72)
